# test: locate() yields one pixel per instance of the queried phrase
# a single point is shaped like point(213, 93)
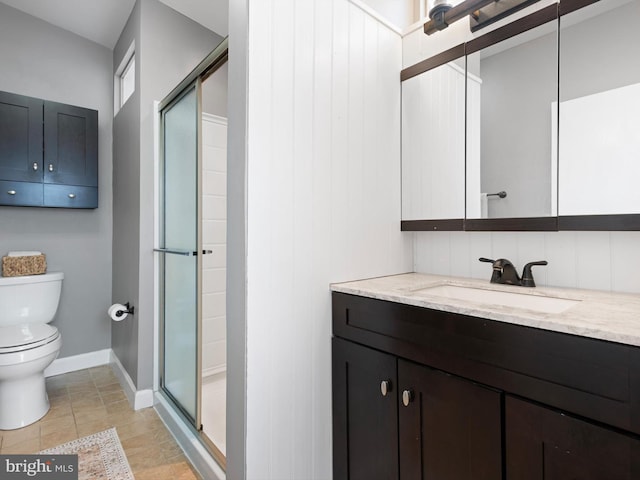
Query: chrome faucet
point(504, 272)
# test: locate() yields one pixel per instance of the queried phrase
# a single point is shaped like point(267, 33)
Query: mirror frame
point(613, 222)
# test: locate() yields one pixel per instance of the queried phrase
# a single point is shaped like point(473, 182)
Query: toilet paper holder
point(130, 309)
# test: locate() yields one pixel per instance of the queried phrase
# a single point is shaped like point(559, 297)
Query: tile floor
point(90, 401)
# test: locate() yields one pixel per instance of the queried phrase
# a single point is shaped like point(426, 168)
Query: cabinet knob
point(51, 167)
point(11, 192)
point(385, 387)
point(72, 195)
point(407, 397)
point(35, 166)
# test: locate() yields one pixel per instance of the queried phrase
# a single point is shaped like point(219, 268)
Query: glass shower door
point(180, 244)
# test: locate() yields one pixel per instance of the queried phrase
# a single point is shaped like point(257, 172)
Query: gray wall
point(518, 86)
point(44, 61)
point(168, 47)
point(214, 92)
point(126, 204)
point(600, 53)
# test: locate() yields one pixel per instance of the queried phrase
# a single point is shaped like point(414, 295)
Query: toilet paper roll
point(117, 312)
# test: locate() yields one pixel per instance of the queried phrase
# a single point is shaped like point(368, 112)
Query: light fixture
point(483, 12)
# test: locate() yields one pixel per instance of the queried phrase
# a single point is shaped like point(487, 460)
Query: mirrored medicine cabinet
point(532, 126)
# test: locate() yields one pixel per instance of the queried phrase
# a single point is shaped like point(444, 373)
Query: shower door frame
point(216, 59)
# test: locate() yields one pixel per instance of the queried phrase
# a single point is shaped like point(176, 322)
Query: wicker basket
point(20, 266)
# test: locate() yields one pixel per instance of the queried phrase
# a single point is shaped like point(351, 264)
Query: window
point(124, 83)
point(128, 80)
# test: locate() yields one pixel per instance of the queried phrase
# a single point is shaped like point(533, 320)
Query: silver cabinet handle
point(51, 167)
point(407, 397)
point(385, 387)
point(11, 192)
point(72, 195)
point(35, 166)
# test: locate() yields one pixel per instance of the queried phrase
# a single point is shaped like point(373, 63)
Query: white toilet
point(28, 345)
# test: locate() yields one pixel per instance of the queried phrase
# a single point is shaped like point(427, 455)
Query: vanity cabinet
point(398, 419)
point(543, 444)
point(48, 153)
point(486, 399)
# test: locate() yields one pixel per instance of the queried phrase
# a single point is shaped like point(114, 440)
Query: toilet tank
point(29, 299)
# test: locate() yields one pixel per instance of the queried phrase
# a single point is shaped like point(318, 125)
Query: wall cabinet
point(471, 398)
point(48, 153)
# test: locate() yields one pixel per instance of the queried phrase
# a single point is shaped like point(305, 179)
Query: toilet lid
point(25, 337)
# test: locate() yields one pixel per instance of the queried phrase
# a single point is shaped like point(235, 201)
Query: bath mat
point(100, 456)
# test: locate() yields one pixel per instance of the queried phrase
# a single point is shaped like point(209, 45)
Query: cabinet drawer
point(20, 194)
point(589, 377)
point(70, 196)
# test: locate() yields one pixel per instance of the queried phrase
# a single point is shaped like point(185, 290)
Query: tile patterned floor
point(90, 401)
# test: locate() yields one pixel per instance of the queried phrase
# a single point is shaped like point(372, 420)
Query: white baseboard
point(210, 372)
point(78, 362)
point(137, 398)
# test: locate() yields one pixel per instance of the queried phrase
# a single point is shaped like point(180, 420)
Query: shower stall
point(191, 250)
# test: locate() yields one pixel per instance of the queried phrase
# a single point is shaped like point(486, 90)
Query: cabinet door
point(70, 145)
point(365, 428)
point(543, 444)
point(20, 138)
point(449, 428)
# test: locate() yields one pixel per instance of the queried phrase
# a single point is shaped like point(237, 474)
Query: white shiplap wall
point(591, 260)
point(433, 124)
point(323, 206)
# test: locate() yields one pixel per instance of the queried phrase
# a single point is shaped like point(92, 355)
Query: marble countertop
point(603, 315)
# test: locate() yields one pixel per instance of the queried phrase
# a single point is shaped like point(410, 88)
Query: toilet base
point(23, 401)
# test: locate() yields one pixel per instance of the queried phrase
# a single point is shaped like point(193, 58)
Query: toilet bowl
point(28, 345)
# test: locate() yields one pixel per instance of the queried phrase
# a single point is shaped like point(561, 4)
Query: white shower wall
point(214, 234)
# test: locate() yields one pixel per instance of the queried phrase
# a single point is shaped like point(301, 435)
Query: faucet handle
point(527, 275)
point(497, 269)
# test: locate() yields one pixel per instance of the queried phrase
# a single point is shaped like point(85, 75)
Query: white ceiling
point(102, 21)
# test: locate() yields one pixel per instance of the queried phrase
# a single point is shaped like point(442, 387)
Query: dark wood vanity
point(428, 394)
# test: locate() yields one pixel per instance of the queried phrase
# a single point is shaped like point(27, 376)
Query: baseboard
point(78, 362)
point(210, 372)
point(188, 440)
point(137, 398)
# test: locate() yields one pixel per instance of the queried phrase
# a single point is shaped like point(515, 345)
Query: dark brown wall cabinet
point(48, 153)
point(426, 394)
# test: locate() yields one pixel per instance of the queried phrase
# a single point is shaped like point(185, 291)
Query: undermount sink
point(542, 304)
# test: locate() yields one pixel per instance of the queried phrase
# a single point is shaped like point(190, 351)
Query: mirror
point(599, 112)
point(433, 143)
point(512, 90)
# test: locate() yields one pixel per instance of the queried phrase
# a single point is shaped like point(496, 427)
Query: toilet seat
point(18, 338)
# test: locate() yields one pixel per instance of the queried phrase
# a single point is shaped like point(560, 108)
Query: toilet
point(28, 345)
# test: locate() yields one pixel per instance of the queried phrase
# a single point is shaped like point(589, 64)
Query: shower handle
point(184, 253)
